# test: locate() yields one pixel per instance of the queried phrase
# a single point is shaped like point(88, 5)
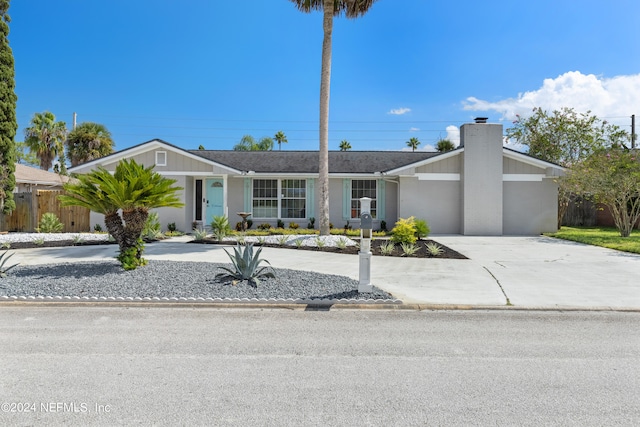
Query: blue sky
point(208, 72)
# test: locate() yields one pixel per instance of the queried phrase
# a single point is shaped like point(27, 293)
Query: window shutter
point(311, 198)
point(248, 207)
point(346, 199)
point(382, 198)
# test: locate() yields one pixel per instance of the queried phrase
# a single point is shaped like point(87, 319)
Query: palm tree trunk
point(325, 83)
point(115, 227)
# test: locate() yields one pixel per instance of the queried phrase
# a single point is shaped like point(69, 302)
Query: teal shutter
point(346, 199)
point(311, 198)
point(248, 207)
point(382, 199)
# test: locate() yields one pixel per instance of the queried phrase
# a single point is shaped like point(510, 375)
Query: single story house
point(30, 179)
point(480, 188)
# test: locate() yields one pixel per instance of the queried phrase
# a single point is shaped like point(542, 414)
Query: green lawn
point(606, 237)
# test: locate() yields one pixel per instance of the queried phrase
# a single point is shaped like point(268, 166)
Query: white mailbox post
point(366, 226)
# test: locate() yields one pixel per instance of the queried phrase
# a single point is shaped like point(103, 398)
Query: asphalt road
point(203, 366)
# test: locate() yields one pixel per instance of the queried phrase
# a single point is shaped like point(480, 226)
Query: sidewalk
point(526, 272)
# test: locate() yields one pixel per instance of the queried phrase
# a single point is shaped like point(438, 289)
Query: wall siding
point(511, 166)
point(449, 165)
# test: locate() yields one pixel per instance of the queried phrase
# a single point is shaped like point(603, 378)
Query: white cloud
point(453, 134)
point(605, 97)
point(399, 111)
point(414, 129)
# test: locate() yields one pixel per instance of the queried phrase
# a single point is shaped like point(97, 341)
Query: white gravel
point(311, 240)
point(290, 240)
point(52, 237)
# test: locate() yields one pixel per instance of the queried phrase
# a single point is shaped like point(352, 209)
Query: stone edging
point(314, 302)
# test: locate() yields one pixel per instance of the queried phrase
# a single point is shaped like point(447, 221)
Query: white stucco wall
point(530, 208)
point(437, 202)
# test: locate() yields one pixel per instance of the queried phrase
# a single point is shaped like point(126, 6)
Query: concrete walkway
point(526, 272)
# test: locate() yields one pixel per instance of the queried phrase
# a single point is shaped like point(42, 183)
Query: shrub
point(383, 225)
point(312, 223)
point(97, 228)
point(246, 266)
point(293, 225)
point(151, 230)
point(422, 229)
point(264, 226)
point(404, 231)
point(280, 223)
point(220, 227)
point(341, 243)
point(249, 223)
point(49, 223)
point(171, 227)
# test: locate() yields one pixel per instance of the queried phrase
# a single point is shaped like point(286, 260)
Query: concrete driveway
point(527, 272)
point(545, 272)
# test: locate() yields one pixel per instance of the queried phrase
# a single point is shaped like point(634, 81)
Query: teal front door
point(214, 199)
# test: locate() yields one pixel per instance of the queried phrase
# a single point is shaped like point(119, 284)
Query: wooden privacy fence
point(31, 206)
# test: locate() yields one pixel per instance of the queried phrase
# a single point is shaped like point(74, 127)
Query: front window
point(363, 188)
point(273, 198)
point(265, 198)
point(294, 198)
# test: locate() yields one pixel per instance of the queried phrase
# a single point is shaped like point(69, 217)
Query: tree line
point(48, 139)
point(599, 161)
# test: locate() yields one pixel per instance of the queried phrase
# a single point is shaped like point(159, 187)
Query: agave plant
point(387, 247)
point(199, 234)
point(408, 249)
point(246, 266)
point(3, 260)
point(434, 249)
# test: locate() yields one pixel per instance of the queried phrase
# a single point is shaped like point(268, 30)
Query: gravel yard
point(170, 280)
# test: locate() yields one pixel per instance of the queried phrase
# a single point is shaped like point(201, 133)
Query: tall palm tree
point(88, 141)
point(413, 143)
point(344, 145)
point(330, 8)
point(132, 189)
point(280, 137)
point(45, 138)
point(445, 145)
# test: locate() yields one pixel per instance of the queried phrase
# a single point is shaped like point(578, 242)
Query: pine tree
point(8, 123)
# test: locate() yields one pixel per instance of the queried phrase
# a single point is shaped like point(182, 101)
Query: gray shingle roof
point(307, 161)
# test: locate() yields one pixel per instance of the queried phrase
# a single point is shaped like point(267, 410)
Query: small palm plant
point(49, 223)
point(246, 266)
point(3, 260)
point(220, 227)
